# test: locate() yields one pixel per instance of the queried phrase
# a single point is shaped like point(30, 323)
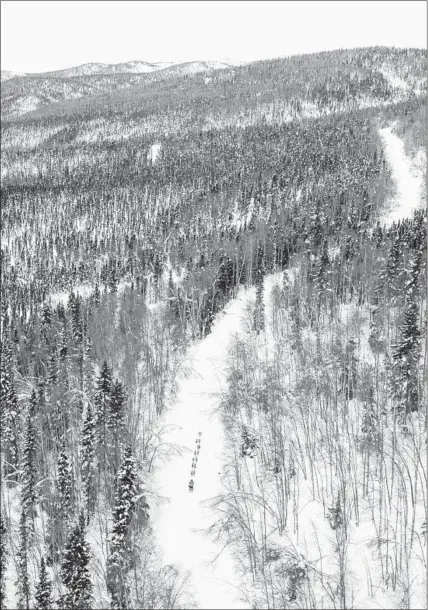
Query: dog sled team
point(195, 461)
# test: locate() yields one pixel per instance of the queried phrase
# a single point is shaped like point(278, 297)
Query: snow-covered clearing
point(407, 175)
point(181, 517)
point(84, 291)
point(154, 152)
point(394, 80)
point(402, 87)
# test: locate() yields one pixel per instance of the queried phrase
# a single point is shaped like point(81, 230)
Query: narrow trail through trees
point(406, 175)
point(182, 515)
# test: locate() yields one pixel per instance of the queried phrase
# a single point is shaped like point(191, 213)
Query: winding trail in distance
point(407, 177)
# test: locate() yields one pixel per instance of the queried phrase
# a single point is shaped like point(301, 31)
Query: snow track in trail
point(407, 175)
point(181, 517)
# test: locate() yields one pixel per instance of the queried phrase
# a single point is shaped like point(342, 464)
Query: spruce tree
point(259, 310)
point(102, 406)
point(296, 323)
point(87, 367)
point(9, 410)
point(378, 235)
point(348, 375)
point(335, 514)
point(63, 348)
point(393, 265)
point(412, 284)
point(61, 507)
point(75, 316)
point(112, 277)
point(171, 287)
point(116, 411)
point(103, 390)
point(88, 444)
point(75, 570)
point(96, 296)
point(322, 270)
point(71, 304)
point(317, 222)
point(43, 594)
point(405, 356)
point(52, 368)
point(125, 504)
point(23, 580)
point(3, 561)
point(29, 467)
point(46, 317)
point(65, 486)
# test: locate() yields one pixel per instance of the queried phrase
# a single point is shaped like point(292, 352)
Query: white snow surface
point(181, 517)
point(395, 81)
point(407, 175)
point(154, 151)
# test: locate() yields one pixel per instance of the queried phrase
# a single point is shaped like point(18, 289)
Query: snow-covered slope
point(408, 176)
point(182, 517)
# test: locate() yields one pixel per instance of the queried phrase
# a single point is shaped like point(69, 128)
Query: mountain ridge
point(129, 67)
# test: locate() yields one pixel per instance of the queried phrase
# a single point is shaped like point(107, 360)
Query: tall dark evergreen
point(323, 269)
point(43, 594)
point(349, 373)
point(75, 573)
point(73, 306)
point(393, 265)
point(63, 346)
point(412, 288)
point(9, 411)
point(46, 317)
point(52, 368)
point(259, 310)
point(65, 486)
point(96, 296)
point(29, 466)
point(120, 547)
point(405, 356)
point(116, 413)
point(103, 391)
point(88, 447)
point(259, 275)
point(102, 407)
point(3, 561)
point(23, 591)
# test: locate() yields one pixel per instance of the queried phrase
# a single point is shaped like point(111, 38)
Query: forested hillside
point(139, 211)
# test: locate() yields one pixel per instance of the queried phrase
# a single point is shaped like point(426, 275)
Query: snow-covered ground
point(154, 151)
point(394, 80)
point(408, 176)
point(181, 517)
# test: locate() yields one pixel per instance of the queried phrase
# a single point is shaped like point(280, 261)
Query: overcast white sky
point(40, 36)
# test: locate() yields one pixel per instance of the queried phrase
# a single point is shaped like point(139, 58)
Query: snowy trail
point(180, 520)
point(408, 177)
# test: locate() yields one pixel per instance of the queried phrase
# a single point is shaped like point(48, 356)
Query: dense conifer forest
point(138, 208)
